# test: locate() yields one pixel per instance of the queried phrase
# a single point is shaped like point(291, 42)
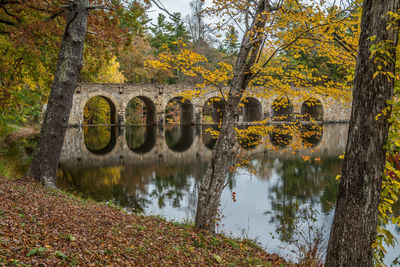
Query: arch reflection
point(247, 138)
point(141, 139)
point(208, 139)
point(179, 138)
point(311, 134)
point(281, 135)
point(100, 140)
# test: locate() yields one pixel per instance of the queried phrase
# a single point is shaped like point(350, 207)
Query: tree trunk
point(214, 180)
point(355, 221)
point(45, 161)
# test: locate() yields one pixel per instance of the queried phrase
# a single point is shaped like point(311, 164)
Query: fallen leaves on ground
point(50, 227)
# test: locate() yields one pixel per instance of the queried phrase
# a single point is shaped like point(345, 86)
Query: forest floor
point(40, 226)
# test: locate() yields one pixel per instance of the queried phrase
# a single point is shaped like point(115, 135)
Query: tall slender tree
point(45, 160)
point(355, 221)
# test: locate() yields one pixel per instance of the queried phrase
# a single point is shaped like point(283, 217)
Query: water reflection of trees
point(129, 186)
point(137, 187)
point(172, 184)
point(301, 182)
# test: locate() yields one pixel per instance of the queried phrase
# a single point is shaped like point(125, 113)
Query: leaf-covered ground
point(49, 227)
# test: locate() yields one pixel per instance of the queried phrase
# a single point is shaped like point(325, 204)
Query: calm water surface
point(158, 171)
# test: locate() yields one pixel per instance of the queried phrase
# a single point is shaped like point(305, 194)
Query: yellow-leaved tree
point(274, 60)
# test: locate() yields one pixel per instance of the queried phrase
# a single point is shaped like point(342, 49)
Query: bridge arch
point(312, 109)
point(141, 110)
point(213, 110)
point(282, 109)
point(99, 109)
point(251, 109)
point(182, 106)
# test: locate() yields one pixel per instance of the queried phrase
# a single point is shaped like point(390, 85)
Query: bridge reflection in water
point(100, 146)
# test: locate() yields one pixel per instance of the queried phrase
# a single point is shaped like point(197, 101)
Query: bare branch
point(11, 15)
point(55, 15)
point(345, 45)
point(40, 9)
point(100, 7)
point(7, 22)
point(90, 32)
point(162, 8)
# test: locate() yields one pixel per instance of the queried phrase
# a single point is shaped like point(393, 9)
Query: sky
point(181, 6)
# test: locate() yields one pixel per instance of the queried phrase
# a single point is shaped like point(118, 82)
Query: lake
point(157, 170)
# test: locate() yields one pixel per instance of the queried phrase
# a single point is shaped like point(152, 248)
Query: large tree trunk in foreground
point(218, 168)
point(355, 221)
point(45, 161)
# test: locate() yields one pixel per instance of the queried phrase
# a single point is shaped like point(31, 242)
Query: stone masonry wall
point(120, 95)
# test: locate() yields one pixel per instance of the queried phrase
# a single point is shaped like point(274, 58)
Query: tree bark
point(214, 180)
point(355, 220)
point(45, 161)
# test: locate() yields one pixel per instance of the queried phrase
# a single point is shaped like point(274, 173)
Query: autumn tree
point(30, 36)
point(354, 225)
point(45, 161)
point(277, 27)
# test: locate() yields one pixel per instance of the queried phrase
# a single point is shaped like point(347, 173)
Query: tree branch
point(55, 15)
point(7, 22)
point(163, 8)
point(11, 15)
point(100, 7)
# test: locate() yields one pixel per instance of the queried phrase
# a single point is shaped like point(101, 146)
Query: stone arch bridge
point(157, 97)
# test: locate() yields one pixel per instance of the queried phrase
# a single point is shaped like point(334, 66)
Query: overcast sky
point(181, 6)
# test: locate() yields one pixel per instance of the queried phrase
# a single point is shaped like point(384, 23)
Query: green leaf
point(32, 252)
point(60, 255)
point(217, 258)
point(35, 251)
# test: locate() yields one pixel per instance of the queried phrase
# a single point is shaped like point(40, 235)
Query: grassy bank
point(38, 225)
